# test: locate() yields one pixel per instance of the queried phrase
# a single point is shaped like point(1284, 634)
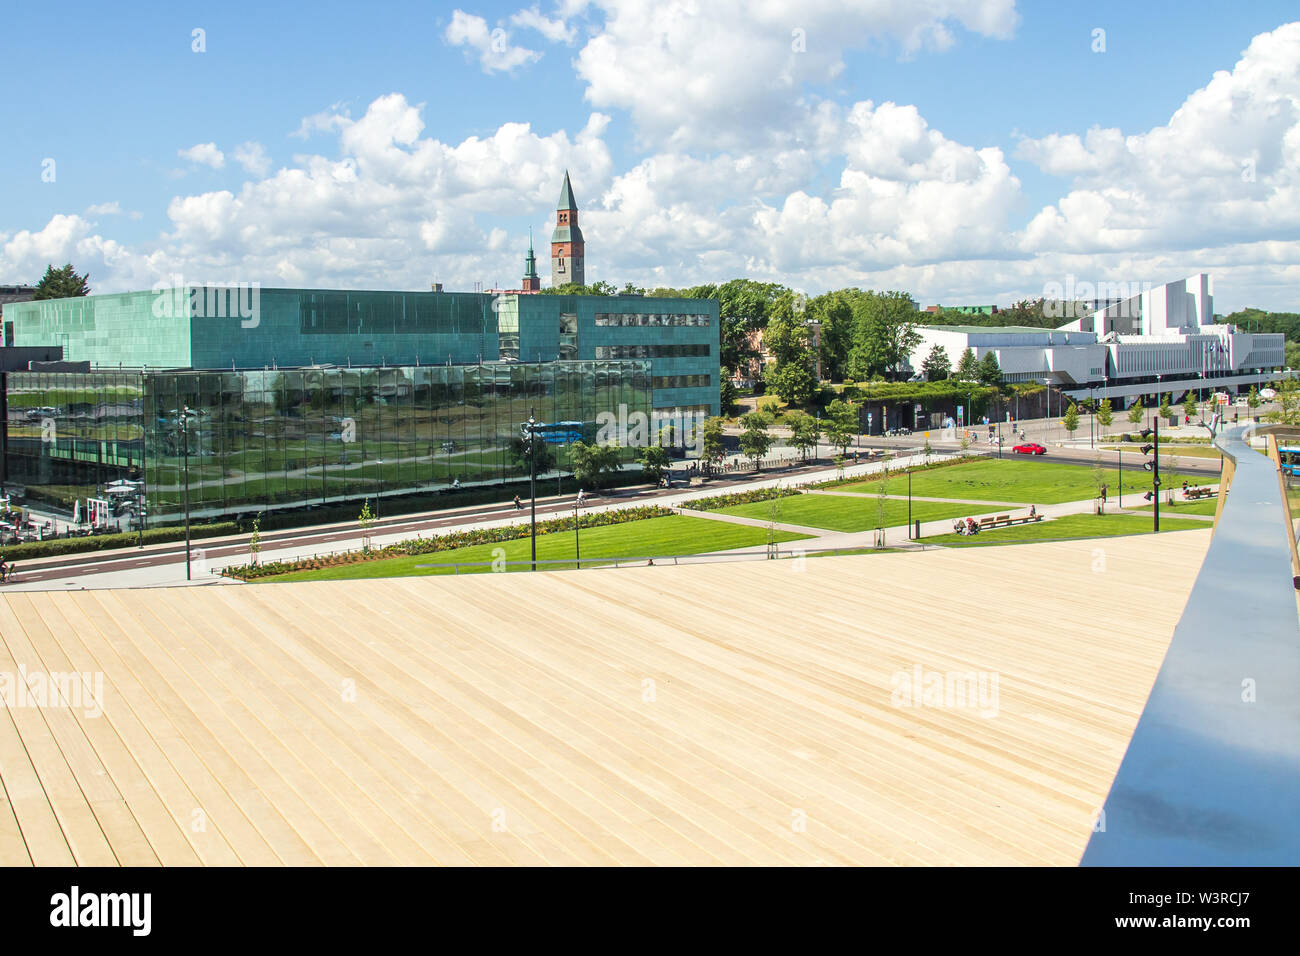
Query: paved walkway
point(897, 536)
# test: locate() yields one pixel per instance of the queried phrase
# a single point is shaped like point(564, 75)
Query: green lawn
point(845, 513)
point(1019, 480)
point(1205, 506)
point(675, 534)
point(1070, 526)
point(1167, 451)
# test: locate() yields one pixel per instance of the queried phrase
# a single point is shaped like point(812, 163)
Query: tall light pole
point(577, 545)
point(531, 445)
point(185, 439)
point(1092, 420)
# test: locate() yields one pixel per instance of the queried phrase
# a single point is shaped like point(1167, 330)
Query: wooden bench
point(1193, 493)
point(1001, 521)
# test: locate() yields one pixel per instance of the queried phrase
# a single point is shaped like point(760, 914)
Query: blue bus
point(558, 433)
point(1290, 458)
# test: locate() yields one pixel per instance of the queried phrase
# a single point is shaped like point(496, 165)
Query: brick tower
point(568, 251)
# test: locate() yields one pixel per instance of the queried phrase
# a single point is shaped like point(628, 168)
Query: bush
point(739, 498)
point(126, 539)
point(945, 463)
point(450, 542)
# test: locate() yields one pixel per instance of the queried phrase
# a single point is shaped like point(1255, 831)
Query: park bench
point(1193, 493)
point(1001, 521)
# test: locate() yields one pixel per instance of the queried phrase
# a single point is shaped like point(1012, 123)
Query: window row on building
point(393, 313)
point(651, 351)
point(683, 381)
point(652, 319)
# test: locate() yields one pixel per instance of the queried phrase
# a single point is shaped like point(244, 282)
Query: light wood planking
point(715, 714)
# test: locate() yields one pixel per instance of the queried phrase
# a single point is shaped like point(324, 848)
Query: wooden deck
point(733, 713)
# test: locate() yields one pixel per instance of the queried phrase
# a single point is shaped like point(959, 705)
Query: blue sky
point(749, 177)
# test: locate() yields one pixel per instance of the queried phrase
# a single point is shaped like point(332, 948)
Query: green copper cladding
point(530, 264)
point(566, 195)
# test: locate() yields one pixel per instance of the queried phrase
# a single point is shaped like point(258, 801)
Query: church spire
point(568, 251)
point(532, 282)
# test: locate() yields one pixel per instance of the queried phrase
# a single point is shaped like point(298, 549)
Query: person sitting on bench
point(1033, 512)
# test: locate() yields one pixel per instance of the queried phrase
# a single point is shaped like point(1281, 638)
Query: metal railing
point(1212, 773)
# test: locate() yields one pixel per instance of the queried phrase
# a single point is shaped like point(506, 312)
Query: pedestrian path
point(951, 501)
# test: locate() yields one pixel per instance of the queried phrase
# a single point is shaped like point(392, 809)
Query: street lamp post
point(532, 483)
point(577, 545)
point(1092, 419)
point(185, 439)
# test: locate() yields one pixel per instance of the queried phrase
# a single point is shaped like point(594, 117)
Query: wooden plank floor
point(741, 713)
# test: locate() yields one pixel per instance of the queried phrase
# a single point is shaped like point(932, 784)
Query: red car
point(1030, 449)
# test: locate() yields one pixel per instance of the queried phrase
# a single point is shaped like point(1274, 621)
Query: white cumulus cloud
point(495, 51)
point(205, 154)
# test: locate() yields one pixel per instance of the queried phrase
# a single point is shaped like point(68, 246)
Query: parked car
point(1031, 448)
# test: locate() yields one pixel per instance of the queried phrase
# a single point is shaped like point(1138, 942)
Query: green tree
point(967, 367)
point(1189, 404)
point(630, 289)
point(1135, 413)
point(841, 424)
point(744, 307)
point(884, 334)
point(936, 366)
point(727, 391)
point(1165, 407)
point(654, 462)
point(787, 340)
point(1104, 413)
point(988, 371)
point(366, 521)
point(255, 540)
point(792, 382)
point(518, 452)
point(755, 440)
point(1071, 419)
point(805, 431)
point(593, 464)
point(712, 447)
point(1252, 400)
point(62, 283)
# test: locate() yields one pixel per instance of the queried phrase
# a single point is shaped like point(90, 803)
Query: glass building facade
point(286, 438)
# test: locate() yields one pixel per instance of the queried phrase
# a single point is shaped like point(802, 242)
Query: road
point(164, 564)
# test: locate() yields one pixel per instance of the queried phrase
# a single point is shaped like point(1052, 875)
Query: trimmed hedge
point(739, 498)
point(447, 542)
point(900, 470)
point(103, 542)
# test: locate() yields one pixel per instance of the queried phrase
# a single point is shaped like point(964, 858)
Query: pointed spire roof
point(530, 263)
point(566, 195)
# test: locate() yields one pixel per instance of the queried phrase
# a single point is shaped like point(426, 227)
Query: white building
point(1161, 340)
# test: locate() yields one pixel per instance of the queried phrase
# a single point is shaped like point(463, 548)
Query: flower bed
point(445, 542)
point(739, 498)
